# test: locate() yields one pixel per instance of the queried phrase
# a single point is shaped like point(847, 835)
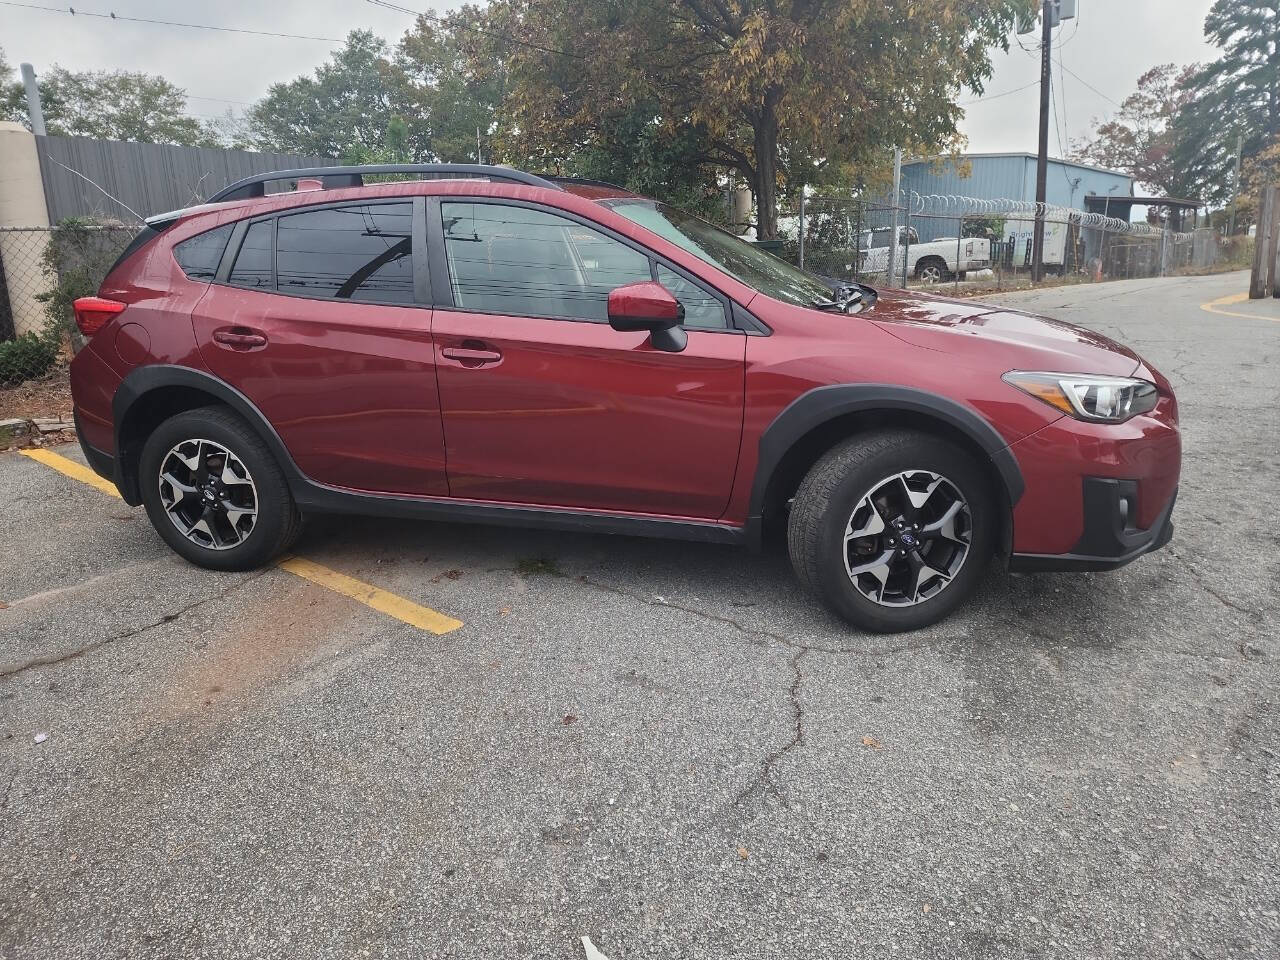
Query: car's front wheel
point(892, 530)
point(214, 492)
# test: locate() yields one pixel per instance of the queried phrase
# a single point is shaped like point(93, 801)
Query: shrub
point(78, 255)
point(26, 357)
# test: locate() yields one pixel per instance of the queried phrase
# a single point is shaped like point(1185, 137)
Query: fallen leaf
point(926, 908)
point(743, 852)
point(3, 605)
point(873, 743)
point(503, 611)
point(569, 719)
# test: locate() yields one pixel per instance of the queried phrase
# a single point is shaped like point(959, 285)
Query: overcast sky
point(1109, 46)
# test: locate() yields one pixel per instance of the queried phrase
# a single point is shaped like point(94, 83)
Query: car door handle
point(471, 356)
point(240, 338)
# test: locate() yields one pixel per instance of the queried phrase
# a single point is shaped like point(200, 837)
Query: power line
point(1089, 85)
point(75, 12)
point(997, 96)
point(439, 21)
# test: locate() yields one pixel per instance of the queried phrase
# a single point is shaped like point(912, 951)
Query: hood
point(1009, 338)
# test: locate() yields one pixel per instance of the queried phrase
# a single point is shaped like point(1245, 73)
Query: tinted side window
point(198, 256)
point(701, 310)
point(253, 262)
point(525, 262)
point(361, 253)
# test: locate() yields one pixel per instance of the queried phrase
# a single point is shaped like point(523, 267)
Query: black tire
point(943, 273)
point(278, 521)
point(834, 487)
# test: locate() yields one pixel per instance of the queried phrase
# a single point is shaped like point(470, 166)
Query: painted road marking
point(1213, 306)
point(393, 605)
point(72, 469)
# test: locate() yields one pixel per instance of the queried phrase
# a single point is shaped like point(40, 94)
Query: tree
point(1140, 139)
point(346, 105)
point(450, 85)
point(1237, 95)
point(111, 105)
point(783, 92)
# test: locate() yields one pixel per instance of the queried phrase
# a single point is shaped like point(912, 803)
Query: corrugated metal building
point(994, 176)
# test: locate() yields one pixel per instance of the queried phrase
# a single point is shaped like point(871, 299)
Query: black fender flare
point(821, 404)
point(144, 380)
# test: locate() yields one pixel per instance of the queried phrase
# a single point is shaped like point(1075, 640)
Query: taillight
point(94, 313)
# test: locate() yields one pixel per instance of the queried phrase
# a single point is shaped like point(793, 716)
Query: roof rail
point(334, 177)
point(582, 182)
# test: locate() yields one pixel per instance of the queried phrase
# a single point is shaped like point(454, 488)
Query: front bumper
point(1097, 496)
point(1111, 538)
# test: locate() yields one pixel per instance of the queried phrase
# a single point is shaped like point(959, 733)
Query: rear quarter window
point(199, 256)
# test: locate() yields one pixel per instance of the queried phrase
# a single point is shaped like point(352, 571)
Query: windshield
point(771, 276)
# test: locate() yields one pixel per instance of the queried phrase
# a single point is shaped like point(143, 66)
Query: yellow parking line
point(72, 469)
point(424, 618)
point(1213, 306)
point(393, 605)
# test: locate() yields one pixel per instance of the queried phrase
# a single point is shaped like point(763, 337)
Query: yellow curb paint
point(72, 469)
point(1214, 306)
point(406, 611)
point(424, 618)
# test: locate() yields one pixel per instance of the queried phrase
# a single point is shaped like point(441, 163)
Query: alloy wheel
point(208, 493)
point(931, 274)
point(907, 538)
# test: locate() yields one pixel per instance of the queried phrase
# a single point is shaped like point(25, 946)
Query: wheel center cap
point(909, 541)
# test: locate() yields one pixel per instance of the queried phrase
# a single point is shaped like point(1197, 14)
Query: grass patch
point(538, 567)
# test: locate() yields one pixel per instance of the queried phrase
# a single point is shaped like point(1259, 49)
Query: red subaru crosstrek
point(482, 344)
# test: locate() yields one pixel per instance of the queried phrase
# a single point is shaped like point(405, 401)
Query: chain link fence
point(42, 271)
point(985, 244)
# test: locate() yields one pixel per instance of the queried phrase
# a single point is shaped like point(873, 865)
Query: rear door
point(320, 317)
point(543, 402)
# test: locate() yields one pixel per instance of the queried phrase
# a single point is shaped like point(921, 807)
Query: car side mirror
point(649, 306)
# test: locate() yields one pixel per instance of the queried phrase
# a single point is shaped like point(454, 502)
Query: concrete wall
point(22, 205)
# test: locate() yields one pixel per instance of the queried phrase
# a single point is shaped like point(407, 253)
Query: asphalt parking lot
point(664, 747)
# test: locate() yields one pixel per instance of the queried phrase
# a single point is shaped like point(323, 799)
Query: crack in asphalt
point(755, 631)
point(1213, 591)
point(763, 781)
point(48, 660)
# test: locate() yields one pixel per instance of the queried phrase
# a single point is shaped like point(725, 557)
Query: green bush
point(78, 255)
point(26, 357)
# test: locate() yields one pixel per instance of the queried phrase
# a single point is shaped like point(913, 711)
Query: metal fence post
point(906, 245)
point(955, 274)
point(802, 226)
point(857, 245)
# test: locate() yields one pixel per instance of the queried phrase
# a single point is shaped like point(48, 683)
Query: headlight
point(1098, 399)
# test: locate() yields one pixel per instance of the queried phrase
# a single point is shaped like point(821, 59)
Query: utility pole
point(34, 110)
point(893, 202)
point(1042, 160)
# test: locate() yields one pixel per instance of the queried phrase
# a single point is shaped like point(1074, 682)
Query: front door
point(318, 323)
point(544, 403)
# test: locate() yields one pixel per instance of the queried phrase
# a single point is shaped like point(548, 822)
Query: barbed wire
point(935, 204)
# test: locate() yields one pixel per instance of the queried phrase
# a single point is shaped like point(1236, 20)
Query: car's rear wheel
point(932, 270)
point(214, 492)
point(892, 530)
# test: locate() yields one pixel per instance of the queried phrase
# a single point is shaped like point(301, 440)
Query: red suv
point(481, 344)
